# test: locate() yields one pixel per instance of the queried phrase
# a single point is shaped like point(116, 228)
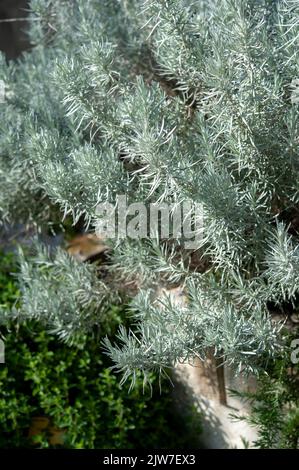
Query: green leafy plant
point(74, 388)
point(9, 292)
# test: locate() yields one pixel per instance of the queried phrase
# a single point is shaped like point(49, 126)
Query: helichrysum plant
point(164, 101)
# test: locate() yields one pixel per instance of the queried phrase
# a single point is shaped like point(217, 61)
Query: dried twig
point(11, 20)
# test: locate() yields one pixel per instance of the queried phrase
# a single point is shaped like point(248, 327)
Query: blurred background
point(12, 37)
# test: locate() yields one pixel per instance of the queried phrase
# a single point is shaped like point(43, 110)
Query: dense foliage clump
point(73, 391)
point(163, 101)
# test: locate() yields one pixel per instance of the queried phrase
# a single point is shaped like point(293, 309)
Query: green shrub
point(76, 390)
point(9, 293)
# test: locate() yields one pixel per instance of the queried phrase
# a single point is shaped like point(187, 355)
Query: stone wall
point(207, 384)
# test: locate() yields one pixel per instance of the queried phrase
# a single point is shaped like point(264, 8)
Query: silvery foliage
point(167, 101)
point(66, 295)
